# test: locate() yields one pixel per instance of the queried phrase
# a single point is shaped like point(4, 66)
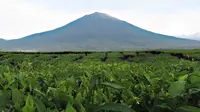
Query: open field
point(143, 81)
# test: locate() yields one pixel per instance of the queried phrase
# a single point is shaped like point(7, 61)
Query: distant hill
point(2, 43)
point(2, 40)
point(98, 32)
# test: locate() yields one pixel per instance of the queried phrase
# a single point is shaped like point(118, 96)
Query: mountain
point(98, 32)
point(2, 41)
point(2, 44)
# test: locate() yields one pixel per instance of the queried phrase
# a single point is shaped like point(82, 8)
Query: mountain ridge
point(95, 13)
point(97, 31)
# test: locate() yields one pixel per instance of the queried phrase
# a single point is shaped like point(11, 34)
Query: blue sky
point(19, 18)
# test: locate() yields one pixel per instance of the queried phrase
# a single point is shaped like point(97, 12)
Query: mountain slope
point(2, 43)
point(98, 31)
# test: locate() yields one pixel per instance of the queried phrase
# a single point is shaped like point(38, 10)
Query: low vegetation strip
point(178, 55)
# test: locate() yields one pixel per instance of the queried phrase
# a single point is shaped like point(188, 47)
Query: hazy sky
point(19, 18)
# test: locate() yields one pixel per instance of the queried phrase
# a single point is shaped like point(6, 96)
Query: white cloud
point(19, 18)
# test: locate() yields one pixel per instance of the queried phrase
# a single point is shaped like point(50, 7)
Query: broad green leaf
point(183, 78)
point(70, 108)
point(17, 98)
point(176, 88)
point(29, 107)
point(195, 79)
point(62, 82)
point(193, 91)
point(40, 106)
point(40, 92)
point(82, 108)
point(16, 95)
point(69, 98)
point(71, 81)
point(104, 96)
point(114, 107)
point(78, 98)
point(113, 85)
point(91, 107)
point(32, 83)
point(3, 98)
point(154, 81)
point(164, 106)
point(188, 109)
point(93, 81)
point(51, 89)
point(194, 85)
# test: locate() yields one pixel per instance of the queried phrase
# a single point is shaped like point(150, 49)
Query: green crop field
point(145, 81)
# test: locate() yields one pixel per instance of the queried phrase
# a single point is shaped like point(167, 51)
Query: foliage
point(57, 83)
